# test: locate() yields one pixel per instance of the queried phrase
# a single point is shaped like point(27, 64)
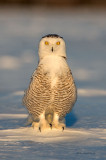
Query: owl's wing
point(37, 96)
point(65, 94)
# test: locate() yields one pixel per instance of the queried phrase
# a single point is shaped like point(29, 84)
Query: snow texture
point(84, 31)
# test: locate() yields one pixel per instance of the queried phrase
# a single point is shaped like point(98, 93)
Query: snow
point(91, 92)
point(13, 116)
point(53, 144)
point(53, 136)
point(84, 31)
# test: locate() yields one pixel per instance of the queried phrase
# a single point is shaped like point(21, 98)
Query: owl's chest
point(54, 65)
point(53, 68)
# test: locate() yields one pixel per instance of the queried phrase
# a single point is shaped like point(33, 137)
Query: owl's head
point(52, 44)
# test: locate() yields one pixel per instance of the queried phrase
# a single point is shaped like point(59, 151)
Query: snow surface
point(51, 136)
point(84, 31)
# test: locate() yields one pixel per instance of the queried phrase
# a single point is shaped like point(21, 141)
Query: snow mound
point(73, 135)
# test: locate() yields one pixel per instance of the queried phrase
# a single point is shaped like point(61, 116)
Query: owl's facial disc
point(51, 45)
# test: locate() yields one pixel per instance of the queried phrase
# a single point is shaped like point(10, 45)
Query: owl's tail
point(49, 114)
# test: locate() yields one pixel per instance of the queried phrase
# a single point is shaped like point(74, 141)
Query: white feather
point(54, 65)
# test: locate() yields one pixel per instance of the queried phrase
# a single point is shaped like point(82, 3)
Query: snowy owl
point(52, 91)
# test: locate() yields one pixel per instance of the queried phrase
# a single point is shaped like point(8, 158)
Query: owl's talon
point(40, 129)
point(50, 125)
point(62, 128)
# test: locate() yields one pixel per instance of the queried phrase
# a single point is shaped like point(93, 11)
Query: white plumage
point(52, 92)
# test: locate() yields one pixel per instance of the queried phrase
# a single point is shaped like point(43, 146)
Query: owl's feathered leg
point(42, 124)
point(58, 124)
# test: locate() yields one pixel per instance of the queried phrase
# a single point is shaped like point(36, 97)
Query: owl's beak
point(52, 49)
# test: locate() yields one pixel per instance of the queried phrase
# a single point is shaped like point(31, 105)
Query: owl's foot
point(60, 126)
point(40, 126)
point(43, 125)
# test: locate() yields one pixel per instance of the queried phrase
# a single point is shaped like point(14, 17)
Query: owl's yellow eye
point(58, 43)
point(46, 43)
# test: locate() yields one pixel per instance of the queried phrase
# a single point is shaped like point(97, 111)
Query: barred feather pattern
point(41, 96)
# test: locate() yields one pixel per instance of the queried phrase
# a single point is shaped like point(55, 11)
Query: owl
point(52, 92)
